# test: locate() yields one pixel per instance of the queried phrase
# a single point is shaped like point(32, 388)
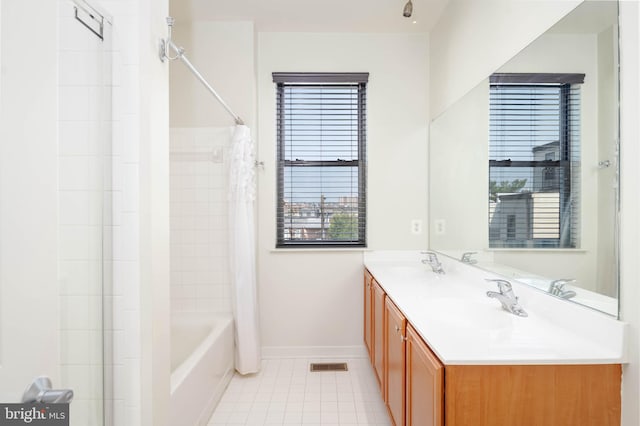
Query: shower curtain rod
point(167, 44)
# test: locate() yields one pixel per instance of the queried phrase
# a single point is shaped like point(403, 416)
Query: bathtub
point(202, 354)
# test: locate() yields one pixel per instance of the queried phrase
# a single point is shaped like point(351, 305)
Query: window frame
point(568, 236)
point(306, 79)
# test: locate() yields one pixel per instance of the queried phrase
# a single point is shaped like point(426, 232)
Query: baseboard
point(270, 352)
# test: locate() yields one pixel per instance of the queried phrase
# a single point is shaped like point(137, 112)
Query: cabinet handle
point(397, 328)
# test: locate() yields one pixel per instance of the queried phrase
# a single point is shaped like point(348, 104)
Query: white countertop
point(463, 326)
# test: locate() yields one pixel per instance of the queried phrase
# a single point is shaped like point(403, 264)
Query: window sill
point(539, 250)
point(319, 250)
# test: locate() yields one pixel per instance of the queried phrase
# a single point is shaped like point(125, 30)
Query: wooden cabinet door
point(378, 331)
point(425, 383)
point(395, 362)
point(368, 330)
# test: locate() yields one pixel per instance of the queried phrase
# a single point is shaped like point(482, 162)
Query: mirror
point(462, 207)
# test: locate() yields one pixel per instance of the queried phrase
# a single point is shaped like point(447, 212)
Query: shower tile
point(74, 312)
point(77, 68)
point(131, 193)
point(73, 103)
point(73, 242)
point(73, 137)
point(131, 128)
point(74, 173)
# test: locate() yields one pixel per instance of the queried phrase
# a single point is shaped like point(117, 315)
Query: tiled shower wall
point(199, 232)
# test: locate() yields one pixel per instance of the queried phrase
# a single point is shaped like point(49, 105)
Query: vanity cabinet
point(425, 383)
point(368, 318)
point(377, 307)
point(419, 389)
point(394, 362)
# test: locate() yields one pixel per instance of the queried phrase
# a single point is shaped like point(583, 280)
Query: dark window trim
point(320, 77)
point(536, 78)
point(283, 79)
point(564, 81)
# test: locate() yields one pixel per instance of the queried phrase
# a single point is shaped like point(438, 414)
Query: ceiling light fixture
point(408, 9)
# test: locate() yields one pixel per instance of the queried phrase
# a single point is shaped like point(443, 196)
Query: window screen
point(534, 160)
point(321, 132)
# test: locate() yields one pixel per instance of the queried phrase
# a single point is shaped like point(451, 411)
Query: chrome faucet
point(506, 297)
point(466, 257)
point(432, 260)
point(557, 288)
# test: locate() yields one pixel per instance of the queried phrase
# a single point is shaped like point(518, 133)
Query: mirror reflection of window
point(534, 160)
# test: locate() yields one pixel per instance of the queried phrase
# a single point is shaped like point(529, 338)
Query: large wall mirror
point(524, 168)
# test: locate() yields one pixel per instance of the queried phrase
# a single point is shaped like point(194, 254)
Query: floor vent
point(336, 366)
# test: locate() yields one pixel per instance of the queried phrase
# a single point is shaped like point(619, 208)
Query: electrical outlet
point(440, 227)
point(416, 226)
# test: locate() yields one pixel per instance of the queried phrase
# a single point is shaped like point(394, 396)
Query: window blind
point(321, 158)
point(534, 161)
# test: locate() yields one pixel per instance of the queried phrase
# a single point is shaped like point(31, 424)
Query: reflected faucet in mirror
point(466, 257)
point(557, 289)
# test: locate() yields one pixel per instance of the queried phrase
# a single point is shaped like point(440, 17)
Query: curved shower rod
point(166, 45)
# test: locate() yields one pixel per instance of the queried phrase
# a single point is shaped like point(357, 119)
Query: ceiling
point(384, 16)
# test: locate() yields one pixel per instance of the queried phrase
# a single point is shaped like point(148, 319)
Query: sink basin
point(472, 314)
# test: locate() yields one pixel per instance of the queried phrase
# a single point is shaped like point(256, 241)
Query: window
point(534, 160)
point(321, 159)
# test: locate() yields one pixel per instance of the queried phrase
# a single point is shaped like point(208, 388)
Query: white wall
point(311, 301)
point(153, 80)
point(29, 309)
point(630, 204)
point(469, 42)
point(223, 52)
point(458, 157)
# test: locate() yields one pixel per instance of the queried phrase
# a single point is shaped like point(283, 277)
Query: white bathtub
point(202, 354)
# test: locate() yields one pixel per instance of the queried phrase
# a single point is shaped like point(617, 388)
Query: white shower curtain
point(242, 188)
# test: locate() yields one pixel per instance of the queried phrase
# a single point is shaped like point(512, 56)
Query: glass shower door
point(84, 205)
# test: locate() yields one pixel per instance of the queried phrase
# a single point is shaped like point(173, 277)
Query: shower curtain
point(242, 250)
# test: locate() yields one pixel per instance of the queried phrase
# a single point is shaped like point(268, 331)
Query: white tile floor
point(286, 393)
